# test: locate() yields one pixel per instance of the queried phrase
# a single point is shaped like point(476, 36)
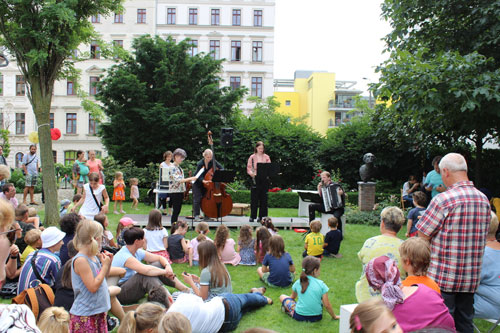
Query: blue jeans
point(239, 304)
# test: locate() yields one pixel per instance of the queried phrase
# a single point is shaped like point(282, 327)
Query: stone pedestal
point(366, 198)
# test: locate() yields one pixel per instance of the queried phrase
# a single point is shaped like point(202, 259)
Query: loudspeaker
point(226, 137)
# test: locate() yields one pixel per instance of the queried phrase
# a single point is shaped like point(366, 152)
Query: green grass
point(339, 274)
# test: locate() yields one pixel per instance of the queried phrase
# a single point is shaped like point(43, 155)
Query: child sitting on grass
point(156, 235)
point(246, 246)
point(419, 201)
point(225, 246)
point(415, 258)
point(312, 294)
point(277, 267)
point(332, 239)
point(261, 243)
point(74, 201)
point(124, 224)
point(314, 241)
point(268, 223)
point(34, 241)
point(107, 236)
point(179, 249)
point(202, 229)
point(33, 218)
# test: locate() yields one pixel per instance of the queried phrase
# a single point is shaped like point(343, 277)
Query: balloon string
point(43, 125)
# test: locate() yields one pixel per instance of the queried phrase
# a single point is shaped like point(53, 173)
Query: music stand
point(266, 170)
point(310, 197)
point(223, 176)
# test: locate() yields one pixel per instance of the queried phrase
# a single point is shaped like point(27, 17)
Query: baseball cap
point(126, 221)
point(51, 236)
point(65, 202)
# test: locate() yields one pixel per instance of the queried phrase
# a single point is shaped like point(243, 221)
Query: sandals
point(260, 290)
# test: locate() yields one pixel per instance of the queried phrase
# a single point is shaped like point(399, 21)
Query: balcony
point(346, 105)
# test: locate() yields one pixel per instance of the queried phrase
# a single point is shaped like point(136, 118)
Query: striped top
point(87, 303)
point(47, 263)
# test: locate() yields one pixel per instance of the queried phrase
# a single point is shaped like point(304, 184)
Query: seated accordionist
point(333, 198)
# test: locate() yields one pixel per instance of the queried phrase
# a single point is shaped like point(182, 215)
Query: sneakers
point(250, 220)
point(197, 218)
point(123, 212)
point(112, 323)
point(116, 212)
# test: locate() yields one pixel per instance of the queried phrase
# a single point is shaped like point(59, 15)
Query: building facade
point(241, 32)
point(322, 101)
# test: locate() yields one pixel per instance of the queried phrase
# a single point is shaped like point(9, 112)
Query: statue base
point(366, 196)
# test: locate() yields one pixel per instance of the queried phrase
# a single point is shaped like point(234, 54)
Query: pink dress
point(228, 254)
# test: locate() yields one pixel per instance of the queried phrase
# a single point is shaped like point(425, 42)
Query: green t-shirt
point(205, 280)
point(309, 303)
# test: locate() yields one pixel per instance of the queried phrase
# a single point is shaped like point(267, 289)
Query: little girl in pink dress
point(225, 246)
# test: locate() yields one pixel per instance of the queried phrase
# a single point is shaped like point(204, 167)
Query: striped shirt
point(457, 221)
point(47, 263)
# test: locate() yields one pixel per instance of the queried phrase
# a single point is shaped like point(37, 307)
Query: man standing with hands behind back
point(30, 167)
point(456, 223)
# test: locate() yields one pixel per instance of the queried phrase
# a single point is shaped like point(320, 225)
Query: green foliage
point(173, 96)
point(292, 145)
point(18, 179)
point(4, 135)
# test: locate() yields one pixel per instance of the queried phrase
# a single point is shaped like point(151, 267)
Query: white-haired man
point(456, 224)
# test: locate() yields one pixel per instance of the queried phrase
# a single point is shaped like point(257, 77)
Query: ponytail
point(309, 264)
point(146, 316)
point(128, 323)
point(201, 238)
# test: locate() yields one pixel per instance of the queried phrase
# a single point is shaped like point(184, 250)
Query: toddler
point(246, 246)
point(268, 223)
point(225, 246)
point(314, 241)
point(419, 201)
point(179, 249)
point(332, 239)
point(415, 255)
point(34, 241)
point(74, 201)
point(125, 223)
point(64, 207)
point(202, 229)
point(33, 218)
point(119, 191)
point(134, 192)
point(261, 243)
point(312, 294)
point(277, 268)
point(156, 235)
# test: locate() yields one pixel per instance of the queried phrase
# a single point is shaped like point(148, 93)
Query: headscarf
point(382, 274)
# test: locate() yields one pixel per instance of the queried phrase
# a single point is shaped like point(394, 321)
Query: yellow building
point(325, 102)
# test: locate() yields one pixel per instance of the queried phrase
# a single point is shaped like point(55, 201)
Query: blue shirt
point(433, 178)
point(121, 257)
point(279, 269)
point(413, 216)
point(32, 167)
point(47, 264)
point(309, 303)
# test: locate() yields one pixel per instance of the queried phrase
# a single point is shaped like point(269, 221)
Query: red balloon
point(55, 133)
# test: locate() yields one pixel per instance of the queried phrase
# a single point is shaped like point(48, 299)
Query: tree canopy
point(163, 98)
point(41, 35)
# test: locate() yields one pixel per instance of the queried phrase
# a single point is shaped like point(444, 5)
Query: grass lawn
point(339, 274)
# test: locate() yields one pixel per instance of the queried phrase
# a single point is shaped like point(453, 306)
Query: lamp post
point(369, 92)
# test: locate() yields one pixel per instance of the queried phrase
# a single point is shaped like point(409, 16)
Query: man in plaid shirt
point(456, 223)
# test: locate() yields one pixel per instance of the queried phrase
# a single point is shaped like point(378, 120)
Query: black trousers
point(197, 196)
point(321, 208)
point(176, 200)
point(461, 306)
point(258, 197)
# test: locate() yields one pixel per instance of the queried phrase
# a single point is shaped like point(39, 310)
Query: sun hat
point(51, 236)
point(126, 221)
point(65, 202)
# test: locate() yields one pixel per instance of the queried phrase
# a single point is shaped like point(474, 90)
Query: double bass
point(216, 202)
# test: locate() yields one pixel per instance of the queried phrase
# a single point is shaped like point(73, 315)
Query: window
point(95, 50)
point(92, 125)
point(1, 120)
point(234, 82)
point(170, 15)
point(70, 123)
point(141, 16)
point(193, 16)
point(215, 49)
point(70, 88)
point(19, 159)
point(20, 123)
point(54, 156)
point(118, 17)
point(215, 17)
point(51, 120)
point(1, 85)
point(236, 16)
point(20, 85)
point(257, 86)
point(96, 18)
point(194, 47)
point(69, 157)
point(288, 102)
point(118, 42)
point(338, 118)
point(93, 87)
point(257, 51)
point(257, 18)
point(235, 50)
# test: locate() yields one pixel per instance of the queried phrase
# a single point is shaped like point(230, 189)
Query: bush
point(18, 179)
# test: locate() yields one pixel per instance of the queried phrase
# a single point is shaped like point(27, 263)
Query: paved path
point(61, 193)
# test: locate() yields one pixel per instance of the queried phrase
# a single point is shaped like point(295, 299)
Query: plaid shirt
point(457, 221)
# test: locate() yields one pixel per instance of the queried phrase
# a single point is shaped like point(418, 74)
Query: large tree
point(162, 98)
point(442, 80)
point(41, 35)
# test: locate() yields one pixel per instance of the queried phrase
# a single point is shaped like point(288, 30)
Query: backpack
point(37, 299)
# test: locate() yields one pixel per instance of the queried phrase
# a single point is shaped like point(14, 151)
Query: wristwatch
point(14, 257)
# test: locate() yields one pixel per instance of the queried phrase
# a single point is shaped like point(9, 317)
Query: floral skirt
point(164, 254)
point(88, 324)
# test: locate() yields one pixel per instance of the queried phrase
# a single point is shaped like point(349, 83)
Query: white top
point(204, 317)
point(89, 208)
point(194, 246)
point(154, 239)
point(108, 234)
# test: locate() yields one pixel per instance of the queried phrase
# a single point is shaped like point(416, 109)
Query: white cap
point(51, 236)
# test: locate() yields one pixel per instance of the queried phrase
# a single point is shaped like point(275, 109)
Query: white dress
point(90, 208)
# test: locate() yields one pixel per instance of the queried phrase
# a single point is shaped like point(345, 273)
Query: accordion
point(333, 196)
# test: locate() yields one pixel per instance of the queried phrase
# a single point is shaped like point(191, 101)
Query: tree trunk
point(40, 101)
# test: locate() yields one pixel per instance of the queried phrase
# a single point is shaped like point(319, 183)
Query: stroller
point(150, 197)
